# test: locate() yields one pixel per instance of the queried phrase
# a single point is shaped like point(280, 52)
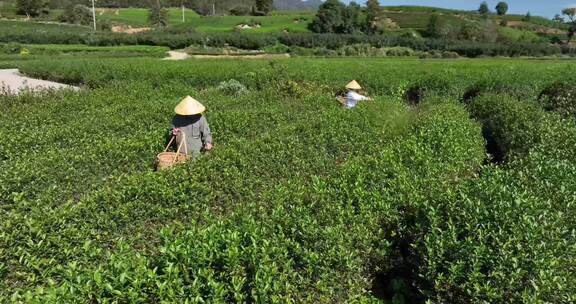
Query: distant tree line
point(203, 7)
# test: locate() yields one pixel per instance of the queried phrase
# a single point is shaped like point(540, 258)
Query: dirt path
point(180, 55)
point(12, 82)
point(176, 55)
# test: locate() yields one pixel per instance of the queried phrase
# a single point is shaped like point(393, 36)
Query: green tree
point(558, 19)
point(501, 8)
point(32, 8)
point(528, 17)
point(373, 12)
point(265, 6)
point(484, 10)
point(77, 14)
point(351, 19)
point(240, 11)
point(329, 17)
point(437, 27)
point(158, 15)
point(571, 14)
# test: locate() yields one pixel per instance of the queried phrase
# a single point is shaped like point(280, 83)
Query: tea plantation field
point(457, 184)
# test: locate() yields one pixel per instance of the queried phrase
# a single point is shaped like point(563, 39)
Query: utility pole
point(183, 13)
point(213, 8)
point(94, 14)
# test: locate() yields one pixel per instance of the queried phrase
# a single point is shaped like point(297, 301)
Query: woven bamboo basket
point(165, 160)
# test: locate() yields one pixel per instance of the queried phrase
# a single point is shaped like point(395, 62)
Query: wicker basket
point(167, 159)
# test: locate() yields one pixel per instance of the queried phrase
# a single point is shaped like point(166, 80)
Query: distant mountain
point(297, 4)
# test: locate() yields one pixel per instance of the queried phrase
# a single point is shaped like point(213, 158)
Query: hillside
point(278, 4)
point(295, 15)
point(279, 21)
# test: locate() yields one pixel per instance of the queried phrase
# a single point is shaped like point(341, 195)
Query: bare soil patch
point(129, 29)
point(177, 55)
point(12, 82)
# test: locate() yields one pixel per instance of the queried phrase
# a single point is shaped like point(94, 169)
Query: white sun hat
point(353, 85)
point(189, 106)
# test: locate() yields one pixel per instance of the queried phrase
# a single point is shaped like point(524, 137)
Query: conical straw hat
point(353, 85)
point(189, 106)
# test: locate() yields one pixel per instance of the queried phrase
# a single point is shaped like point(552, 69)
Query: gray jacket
point(195, 129)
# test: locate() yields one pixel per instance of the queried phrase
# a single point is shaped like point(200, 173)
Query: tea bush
point(312, 256)
point(67, 200)
point(232, 87)
point(522, 78)
point(58, 34)
point(531, 204)
point(301, 201)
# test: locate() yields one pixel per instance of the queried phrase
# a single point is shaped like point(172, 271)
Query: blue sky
point(546, 8)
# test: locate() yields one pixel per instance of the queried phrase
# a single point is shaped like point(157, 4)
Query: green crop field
point(13, 27)
point(457, 184)
point(206, 24)
point(139, 16)
point(418, 20)
point(57, 51)
point(269, 24)
point(68, 48)
point(293, 21)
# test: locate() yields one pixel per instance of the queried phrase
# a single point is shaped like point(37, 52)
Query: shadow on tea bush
point(425, 88)
point(560, 97)
point(496, 86)
point(510, 126)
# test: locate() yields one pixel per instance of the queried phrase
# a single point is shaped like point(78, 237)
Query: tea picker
point(190, 131)
point(353, 96)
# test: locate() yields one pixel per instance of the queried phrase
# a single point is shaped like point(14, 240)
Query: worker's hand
point(208, 147)
point(175, 131)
